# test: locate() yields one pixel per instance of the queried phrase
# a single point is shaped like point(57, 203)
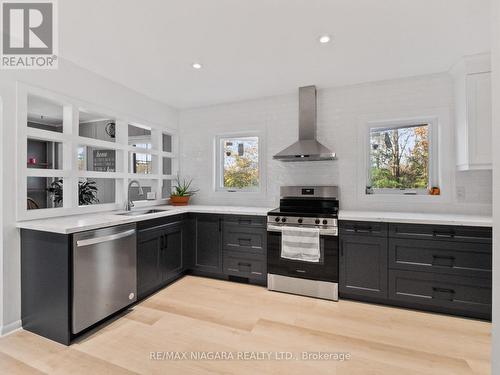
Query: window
point(139, 137)
point(400, 158)
point(89, 154)
point(44, 114)
point(238, 164)
point(44, 192)
point(141, 163)
point(44, 154)
point(96, 191)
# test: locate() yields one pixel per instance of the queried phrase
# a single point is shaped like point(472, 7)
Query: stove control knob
point(277, 219)
point(300, 221)
point(325, 222)
point(317, 221)
point(283, 220)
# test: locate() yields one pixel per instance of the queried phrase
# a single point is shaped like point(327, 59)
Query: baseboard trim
point(10, 328)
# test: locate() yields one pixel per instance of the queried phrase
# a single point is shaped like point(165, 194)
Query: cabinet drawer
point(440, 232)
point(158, 222)
point(252, 268)
point(447, 257)
point(450, 294)
point(244, 239)
point(367, 228)
point(249, 221)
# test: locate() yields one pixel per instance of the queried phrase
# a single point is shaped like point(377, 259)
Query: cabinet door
point(208, 246)
point(363, 266)
point(172, 251)
point(479, 120)
point(149, 245)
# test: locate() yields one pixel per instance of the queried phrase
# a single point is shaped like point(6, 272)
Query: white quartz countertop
point(417, 218)
point(80, 223)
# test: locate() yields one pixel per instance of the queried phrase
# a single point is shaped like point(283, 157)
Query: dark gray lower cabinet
point(244, 243)
point(459, 258)
point(171, 258)
point(437, 268)
point(46, 274)
point(160, 254)
point(211, 245)
point(443, 293)
point(149, 244)
point(208, 243)
point(363, 266)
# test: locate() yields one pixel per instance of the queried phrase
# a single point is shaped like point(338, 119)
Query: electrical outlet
point(151, 196)
point(461, 193)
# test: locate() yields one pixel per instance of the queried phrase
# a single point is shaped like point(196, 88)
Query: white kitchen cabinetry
point(473, 111)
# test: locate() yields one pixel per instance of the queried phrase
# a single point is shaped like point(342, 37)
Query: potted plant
point(181, 193)
point(87, 192)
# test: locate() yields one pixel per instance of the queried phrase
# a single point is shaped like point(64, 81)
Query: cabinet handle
point(220, 225)
point(443, 290)
point(244, 264)
point(363, 229)
point(444, 257)
point(301, 271)
point(443, 234)
point(244, 241)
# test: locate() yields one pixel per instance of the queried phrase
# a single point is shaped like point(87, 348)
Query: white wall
point(68, 80)
point(495, 40)
point(342, 113)
point(1, 215)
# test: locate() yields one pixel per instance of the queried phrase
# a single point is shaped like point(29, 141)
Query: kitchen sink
point(142, 212)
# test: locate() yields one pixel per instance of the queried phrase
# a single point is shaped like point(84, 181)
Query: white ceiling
point(254, 48)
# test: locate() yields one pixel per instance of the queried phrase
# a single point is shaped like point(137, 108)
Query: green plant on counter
point(182, 188)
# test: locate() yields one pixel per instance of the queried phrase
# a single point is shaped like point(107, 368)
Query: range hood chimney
point(307, 148)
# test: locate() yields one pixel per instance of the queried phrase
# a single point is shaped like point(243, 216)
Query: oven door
point(327, 269)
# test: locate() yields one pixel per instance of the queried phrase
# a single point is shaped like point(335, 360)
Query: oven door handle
point(322, 232)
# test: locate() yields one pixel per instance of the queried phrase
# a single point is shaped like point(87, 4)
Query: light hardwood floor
point(205, 315)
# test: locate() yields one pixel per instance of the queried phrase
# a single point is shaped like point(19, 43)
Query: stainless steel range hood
point(307, 148)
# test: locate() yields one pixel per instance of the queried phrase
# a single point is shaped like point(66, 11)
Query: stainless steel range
point(312, 212)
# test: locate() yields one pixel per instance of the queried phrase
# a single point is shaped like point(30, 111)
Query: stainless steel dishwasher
point(104, 274)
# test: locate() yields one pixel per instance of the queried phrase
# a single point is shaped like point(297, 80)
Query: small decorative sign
point(104, 160)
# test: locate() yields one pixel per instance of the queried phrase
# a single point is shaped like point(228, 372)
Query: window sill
point(410, 198)
point(238, 192)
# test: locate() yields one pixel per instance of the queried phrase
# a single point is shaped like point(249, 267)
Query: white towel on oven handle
point(300, 243)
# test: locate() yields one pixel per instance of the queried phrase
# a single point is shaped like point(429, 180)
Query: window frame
point(432, 123)
point(72, 141)
point(219, 167)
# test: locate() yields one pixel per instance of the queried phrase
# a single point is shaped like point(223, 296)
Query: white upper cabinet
point(473, 112)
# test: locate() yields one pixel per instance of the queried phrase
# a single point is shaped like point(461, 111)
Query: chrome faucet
point(130, 204)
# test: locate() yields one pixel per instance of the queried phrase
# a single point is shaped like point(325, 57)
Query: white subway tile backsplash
point(340, 112)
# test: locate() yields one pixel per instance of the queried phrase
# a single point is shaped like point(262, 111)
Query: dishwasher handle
point(111, 237)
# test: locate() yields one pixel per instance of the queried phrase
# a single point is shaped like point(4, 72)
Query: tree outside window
point(240, 163)
point(399, 157)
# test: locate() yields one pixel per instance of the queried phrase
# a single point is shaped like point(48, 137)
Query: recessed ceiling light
point(197, 66)
point(324, 39)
